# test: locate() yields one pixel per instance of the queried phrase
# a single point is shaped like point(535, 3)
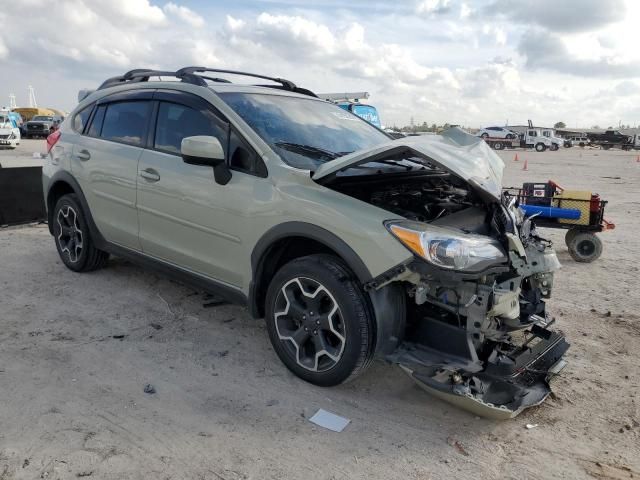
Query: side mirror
point(207, 151)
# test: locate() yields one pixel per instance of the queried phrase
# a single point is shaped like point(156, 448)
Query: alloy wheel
point(70, 236)
point(310, 325)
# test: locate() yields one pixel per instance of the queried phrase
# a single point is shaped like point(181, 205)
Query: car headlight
point(446, 248)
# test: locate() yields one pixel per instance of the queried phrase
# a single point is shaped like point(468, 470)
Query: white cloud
point(185, 14)
point(234, 24)
point(430, 7)
point(4, 51)
point(296, 31)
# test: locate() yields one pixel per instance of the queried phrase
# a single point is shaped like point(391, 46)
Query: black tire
point(73, 239)
point(295, 330)
point(585, 247)
point(570, 235)
point(582, 144)
point(540, 147)
point(606, 147)
point(484, 135)
point(509, 136)
point(553, 147)
point(498, 146)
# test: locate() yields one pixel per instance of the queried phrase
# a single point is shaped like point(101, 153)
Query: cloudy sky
point(465, 62)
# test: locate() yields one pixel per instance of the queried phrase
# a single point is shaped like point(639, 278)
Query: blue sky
point(458, 61)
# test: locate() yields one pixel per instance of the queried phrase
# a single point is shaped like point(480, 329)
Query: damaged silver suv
point(350, 244)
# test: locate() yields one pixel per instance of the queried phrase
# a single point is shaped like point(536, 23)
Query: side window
point(176, 122)
point(81, 118)
point(242, 157)
point(96, 122)
point(126, 122)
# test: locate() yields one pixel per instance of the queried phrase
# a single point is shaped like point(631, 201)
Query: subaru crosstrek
point(351, 245)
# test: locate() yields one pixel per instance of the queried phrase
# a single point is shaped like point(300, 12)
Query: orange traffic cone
point(524, 167)
point(515, 159)
point(638, 159)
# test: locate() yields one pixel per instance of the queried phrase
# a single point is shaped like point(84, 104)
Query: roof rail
point(188, 75)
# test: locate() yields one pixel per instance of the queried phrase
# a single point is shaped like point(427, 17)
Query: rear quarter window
point(81, 118)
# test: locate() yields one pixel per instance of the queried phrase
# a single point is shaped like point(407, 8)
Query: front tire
point(319, 320)
point(73, 239)
point(540, 147)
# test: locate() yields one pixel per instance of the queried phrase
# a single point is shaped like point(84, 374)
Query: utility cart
point(579, 212)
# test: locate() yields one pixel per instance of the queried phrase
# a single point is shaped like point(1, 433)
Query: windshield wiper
point(317, 152)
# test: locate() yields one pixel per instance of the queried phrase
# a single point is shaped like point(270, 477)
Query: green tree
point(560, 125)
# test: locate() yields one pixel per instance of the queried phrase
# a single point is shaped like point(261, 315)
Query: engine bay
point(423, 198)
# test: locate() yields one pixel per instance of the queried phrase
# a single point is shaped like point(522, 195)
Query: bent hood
point(455, 151)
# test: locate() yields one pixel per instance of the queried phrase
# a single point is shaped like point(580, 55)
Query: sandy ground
point(23, 155)
point(77, 350)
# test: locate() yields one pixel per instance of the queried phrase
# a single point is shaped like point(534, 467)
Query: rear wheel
point(553, 147)
point(73, 239)
point(319, 321)
point(585, 247)
point(509, 136)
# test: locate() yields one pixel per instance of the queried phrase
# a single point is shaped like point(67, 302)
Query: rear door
point(186, 218)
point(105, 162)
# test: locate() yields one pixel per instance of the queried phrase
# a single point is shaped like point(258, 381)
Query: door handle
point(150, 174)
point(83, 155)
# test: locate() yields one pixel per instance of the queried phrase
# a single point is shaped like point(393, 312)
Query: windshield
point(304, 132)
point(41, 118)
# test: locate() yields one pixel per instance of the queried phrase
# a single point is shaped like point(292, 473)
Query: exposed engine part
point(425, 200)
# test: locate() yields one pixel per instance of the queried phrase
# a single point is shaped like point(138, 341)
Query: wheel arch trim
point(305, 230)
point(65, 177)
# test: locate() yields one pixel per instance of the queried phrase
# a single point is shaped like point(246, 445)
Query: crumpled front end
point(482, 341)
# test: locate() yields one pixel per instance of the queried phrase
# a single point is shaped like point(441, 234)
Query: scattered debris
point(529, 426)
point(150, 389)
point(156, 326)
point(227, 320)
point(84, 474)
point(457, 445)
point(223, 353)
point(272, 402)
point(329, 420)
point(25, 463)
point(118, 337)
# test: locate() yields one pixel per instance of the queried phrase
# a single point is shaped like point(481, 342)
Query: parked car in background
point(579, 140)
point(497, 132)
point(9, 131)
point(42, 125)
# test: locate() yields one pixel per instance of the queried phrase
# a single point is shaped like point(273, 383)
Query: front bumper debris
point(513, 378)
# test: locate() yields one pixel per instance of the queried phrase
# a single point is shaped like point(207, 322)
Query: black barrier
point(21, 197)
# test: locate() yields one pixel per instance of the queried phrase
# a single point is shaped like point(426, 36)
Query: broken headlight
point(446, 248)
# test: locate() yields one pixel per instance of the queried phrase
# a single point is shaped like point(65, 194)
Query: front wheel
point(498, 146)
point(319, 321)
point(484, 135)
point(585, 247)
point(554, 147)
point(540, 147)
point(73, 239)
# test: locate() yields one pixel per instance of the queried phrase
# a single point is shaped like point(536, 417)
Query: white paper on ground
point(329, 420)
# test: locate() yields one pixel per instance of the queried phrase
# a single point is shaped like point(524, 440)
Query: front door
point(186, 218)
